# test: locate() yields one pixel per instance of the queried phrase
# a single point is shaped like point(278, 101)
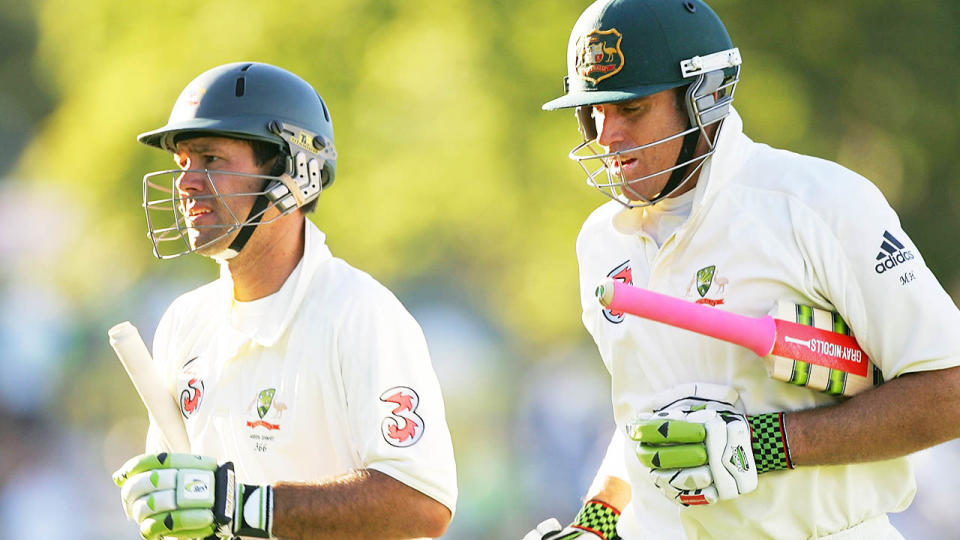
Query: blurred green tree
point(448, 169)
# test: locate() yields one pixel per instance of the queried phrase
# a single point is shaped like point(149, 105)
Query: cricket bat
point(799, 344)
point(163, 410)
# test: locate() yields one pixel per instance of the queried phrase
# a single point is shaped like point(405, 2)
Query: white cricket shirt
point(768, 225)
point(329, 374)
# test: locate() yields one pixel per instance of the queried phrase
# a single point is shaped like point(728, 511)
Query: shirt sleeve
point(591, 311)
point(395, 407)
point(867, 266)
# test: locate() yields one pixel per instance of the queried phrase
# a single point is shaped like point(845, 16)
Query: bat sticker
point(828, 357)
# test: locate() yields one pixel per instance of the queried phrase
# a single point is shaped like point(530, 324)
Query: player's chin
point(637, 192)
point(209, 243)
point(648, 188)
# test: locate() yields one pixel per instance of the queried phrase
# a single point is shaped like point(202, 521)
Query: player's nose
point(191, 181)
point(609, 129)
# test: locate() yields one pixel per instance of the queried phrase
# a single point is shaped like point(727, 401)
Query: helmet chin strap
point(246, 230)
point(250, 224)
point(690, 141)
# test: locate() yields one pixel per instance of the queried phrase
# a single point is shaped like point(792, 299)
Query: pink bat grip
point(755, 333)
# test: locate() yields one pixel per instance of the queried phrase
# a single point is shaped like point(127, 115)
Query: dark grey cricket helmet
point(251, 101)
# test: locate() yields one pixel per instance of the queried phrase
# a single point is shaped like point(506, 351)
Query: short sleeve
point(395, 407)
point(868, 267)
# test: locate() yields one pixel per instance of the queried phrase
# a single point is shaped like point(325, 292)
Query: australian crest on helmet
point(599, 55)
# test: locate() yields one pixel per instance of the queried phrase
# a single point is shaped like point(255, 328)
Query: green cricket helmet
point(249, 101)
point(621, 50)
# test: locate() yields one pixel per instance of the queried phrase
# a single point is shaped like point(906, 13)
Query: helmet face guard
point(620, 50)
point(707, 101)
point(246, 101)
point(165, 209)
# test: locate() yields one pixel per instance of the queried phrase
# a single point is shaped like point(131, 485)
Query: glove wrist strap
point(769, 440)
point(253, 513)
point(598, 518)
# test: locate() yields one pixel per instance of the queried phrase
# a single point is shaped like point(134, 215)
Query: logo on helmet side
point(599, 55)
point(193, 99)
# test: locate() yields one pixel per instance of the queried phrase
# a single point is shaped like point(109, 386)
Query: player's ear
point(588, 126)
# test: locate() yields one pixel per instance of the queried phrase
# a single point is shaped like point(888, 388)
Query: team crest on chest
point(708, 285)
point(624, 274)
point(403, 426)
point(264, 411)
point(192, 391)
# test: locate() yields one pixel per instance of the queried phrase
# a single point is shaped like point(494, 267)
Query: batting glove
point(189, 496)
point(596, 521)
point(710, 451)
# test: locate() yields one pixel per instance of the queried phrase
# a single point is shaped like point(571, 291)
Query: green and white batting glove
point(189, 496)
point(596, 520)
point(709, 451)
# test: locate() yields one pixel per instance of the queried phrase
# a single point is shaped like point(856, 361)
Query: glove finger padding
point(666, 441)
point(697, 445)
point(678, 480)
point(690, 396)
point(194, 523)
point(178, 495)
point(155, 503)
point(665, 427)
point(163, 460)
point(672, 456)
point(138, 485)
point(153, 492)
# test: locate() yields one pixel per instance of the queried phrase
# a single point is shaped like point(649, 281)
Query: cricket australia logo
point(706, 279)
point(599, 55)
point(892, 253)
point(268, 410)
point(403, 426)
point(624, 274)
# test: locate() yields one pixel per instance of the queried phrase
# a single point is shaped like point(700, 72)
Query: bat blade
point(800, 345)
point(783, 364)
point(132, 352)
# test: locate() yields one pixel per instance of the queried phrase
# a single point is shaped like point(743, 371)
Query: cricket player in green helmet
point(708, 445)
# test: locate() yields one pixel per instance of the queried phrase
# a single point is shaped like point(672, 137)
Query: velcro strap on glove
point(254, 511)
point(598, 518)
point(769, 440)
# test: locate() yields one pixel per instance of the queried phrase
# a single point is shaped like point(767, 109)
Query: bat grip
point(163, 411)
point(755, 333)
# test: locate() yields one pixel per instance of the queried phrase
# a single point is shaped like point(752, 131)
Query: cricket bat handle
point(755, 333)
point(163, 411)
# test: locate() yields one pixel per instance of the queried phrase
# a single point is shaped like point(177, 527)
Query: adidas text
point(893, 260)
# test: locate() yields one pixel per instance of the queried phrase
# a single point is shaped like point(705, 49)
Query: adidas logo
point(891, 254)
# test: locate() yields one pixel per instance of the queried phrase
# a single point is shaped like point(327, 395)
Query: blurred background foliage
point(453, 189)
